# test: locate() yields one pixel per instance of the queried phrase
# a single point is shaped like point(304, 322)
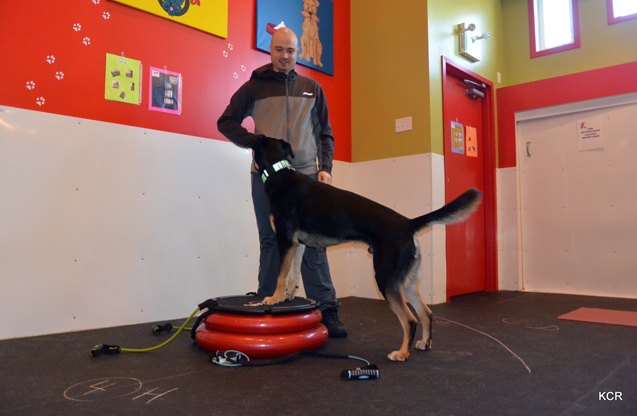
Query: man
point(290, 107)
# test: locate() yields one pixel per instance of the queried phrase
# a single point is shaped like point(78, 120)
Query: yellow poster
point(123, 80)
point(210, 16)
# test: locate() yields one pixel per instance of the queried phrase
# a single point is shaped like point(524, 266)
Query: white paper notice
point(590, 133)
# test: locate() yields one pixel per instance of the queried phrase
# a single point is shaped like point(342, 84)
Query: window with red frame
point(553, 26)
point(621, 10)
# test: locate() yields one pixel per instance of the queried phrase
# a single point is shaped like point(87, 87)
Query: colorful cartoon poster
point(123, 80)
point(590, 134)
point(311, 20)
point(210, 16)
point(471, 139)
point(457, 138)
point(164, 91)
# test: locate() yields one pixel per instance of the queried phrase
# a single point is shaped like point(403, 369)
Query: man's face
point(283, 51)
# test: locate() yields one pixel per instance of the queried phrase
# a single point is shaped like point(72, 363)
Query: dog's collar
point(283, 164)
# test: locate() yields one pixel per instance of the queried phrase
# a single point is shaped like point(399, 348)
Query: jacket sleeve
point(229, 124)
point(325, 137)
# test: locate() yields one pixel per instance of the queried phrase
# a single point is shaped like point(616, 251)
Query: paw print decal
point(230, 46)
point(235, 75)
point(225, 54)
point(51, 61)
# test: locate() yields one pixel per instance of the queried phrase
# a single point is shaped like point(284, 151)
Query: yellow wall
point(389, 78)
point(602, 45)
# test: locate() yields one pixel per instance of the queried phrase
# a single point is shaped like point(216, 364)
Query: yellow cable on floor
point(114, 349)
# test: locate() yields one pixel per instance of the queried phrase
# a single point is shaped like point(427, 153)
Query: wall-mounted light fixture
point(469, 41)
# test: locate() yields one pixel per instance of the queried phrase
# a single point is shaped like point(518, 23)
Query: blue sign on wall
point(311, 20)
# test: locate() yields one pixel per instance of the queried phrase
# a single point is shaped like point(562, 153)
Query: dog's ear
point(287, 150)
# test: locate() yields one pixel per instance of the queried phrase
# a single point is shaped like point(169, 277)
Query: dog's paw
point(398, 356)
point(274, 299)
point(423, 345)
point(269, 300)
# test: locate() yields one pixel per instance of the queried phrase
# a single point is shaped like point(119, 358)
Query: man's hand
point(325, 177)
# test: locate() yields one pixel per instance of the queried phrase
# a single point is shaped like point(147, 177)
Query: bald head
point(283, 50)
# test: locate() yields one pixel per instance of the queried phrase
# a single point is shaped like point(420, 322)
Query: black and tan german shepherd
point(305, 212)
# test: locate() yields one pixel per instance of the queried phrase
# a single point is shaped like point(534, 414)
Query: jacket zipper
point(287, 108)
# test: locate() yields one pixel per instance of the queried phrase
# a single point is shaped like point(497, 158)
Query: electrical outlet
point(403, 124)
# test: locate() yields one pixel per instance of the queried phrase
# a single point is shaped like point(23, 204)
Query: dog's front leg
point(287, 254)
point(294, 274)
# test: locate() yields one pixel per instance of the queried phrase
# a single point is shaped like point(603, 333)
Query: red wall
point(605, 82)
point(30, 33)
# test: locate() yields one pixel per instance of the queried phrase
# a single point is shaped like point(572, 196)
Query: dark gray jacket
point(290, 107)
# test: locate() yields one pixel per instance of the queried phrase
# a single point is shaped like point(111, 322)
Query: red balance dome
point(263, 331)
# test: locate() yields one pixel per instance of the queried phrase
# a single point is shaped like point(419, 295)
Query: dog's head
point(268, 151)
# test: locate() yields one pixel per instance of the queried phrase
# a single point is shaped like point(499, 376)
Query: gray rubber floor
point(500, 353)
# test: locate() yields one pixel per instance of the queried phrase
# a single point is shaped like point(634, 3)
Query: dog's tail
point(455, 211)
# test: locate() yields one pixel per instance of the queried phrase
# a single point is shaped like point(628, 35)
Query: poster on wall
point(590, 134)
point(123, 80)
point(311, 20)
point(164, 91)
point(457, 138)
point(210, 16)
point(471, 139)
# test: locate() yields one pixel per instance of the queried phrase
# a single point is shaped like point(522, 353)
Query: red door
point(468, 145)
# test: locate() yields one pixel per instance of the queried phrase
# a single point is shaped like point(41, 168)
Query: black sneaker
point(335, 327)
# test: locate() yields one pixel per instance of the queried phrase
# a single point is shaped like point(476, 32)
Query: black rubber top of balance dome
point(250, 305)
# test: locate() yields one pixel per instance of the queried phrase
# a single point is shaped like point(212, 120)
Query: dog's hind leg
point(415, 299)
point(408, 322)
point(390, 281)
point(425, 316)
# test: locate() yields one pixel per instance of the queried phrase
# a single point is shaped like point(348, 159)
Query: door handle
point(528, 149)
